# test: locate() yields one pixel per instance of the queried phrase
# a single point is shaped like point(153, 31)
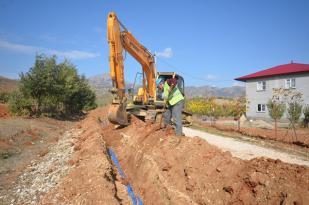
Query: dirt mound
point(165, 169)
point(4, 111)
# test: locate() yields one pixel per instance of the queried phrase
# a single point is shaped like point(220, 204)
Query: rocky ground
point(42, 174)
point(162, 169)
point(33, 156)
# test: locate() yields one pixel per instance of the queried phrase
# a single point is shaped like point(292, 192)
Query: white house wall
point(261, 97)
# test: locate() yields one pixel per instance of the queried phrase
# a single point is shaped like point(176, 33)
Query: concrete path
point(244, 149)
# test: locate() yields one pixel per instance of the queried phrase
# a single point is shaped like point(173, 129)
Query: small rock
point(71, 162)
point(228, 189)
point(77, 147)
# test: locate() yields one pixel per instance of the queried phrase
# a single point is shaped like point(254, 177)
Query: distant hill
point(7, 85)
point(101, 84)
point(208, 91)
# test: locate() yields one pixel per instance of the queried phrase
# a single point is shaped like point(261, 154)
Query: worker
point(160, 86)
point(175, 103)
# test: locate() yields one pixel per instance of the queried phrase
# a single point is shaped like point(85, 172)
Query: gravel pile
point(41, 176)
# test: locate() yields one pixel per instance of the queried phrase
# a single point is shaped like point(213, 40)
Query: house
point(260, 85)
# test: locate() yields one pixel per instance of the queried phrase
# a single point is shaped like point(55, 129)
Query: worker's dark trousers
point(175, 112)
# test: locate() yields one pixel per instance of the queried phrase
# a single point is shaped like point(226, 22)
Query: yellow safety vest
point(174, 96)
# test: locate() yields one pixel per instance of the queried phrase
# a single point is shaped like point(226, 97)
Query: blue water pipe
point(135, 199)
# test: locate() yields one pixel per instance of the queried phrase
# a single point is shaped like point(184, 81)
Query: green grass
point(5, 155)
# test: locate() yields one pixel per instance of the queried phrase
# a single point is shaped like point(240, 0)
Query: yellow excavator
point(146, 104)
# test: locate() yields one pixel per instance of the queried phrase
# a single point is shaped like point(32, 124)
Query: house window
point(261, 85)
point(261, 108)
point(290, 83)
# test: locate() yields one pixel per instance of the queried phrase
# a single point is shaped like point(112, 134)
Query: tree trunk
point(294, 131)
point(276, 127)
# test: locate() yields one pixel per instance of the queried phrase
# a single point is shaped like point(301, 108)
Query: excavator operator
point(160, 85)
point(175, 103)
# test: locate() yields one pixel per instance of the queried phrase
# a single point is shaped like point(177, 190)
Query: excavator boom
point(120, 39)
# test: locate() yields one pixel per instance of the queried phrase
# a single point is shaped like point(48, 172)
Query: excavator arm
point(120, 39)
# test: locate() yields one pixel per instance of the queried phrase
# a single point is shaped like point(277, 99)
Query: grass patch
point(5, 155)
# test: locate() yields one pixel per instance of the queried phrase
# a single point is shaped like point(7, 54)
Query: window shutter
point(287, 83)
point(293, 83)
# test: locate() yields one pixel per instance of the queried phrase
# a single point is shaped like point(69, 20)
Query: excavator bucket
point(118, 115)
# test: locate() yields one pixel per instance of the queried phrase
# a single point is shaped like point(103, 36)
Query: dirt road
point(246, 150)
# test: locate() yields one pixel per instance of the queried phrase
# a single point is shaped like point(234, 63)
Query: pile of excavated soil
point(165, 169)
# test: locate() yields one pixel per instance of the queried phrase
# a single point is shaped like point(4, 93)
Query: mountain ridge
point(7, 84)
point(102, 83)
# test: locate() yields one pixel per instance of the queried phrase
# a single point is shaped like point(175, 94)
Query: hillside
point(101, 84)
point(229, 92)
point(7, 85)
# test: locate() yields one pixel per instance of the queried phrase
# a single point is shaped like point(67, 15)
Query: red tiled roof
point(277, 70)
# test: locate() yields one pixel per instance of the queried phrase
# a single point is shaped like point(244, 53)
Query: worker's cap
point(172, 81)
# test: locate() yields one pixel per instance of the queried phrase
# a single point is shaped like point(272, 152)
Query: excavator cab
point(162, 77)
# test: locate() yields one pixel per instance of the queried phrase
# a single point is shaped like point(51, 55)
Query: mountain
point(7, 85)
point(101, 84)
point(208, 91)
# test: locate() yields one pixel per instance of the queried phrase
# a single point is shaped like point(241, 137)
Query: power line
point(190, 75)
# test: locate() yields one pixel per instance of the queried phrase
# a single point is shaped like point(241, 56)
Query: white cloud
point(211, 77)
point(17, 47)
point(238, 84)
point(74, 54)
point(166, 53)
point(26, 49)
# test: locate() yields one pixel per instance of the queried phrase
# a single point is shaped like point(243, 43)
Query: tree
point(39, 82)
point(306, 116)
point(239, 108)
point(276, 109)
point(294, 113)
point(294, 101)
point(55, 89)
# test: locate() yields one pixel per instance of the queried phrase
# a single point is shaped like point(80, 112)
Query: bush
point(19, 104)
point(210, 107)
point(54, 89)
point(4, 97)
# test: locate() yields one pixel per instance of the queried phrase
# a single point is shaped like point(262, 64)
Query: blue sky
point(208, 42)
